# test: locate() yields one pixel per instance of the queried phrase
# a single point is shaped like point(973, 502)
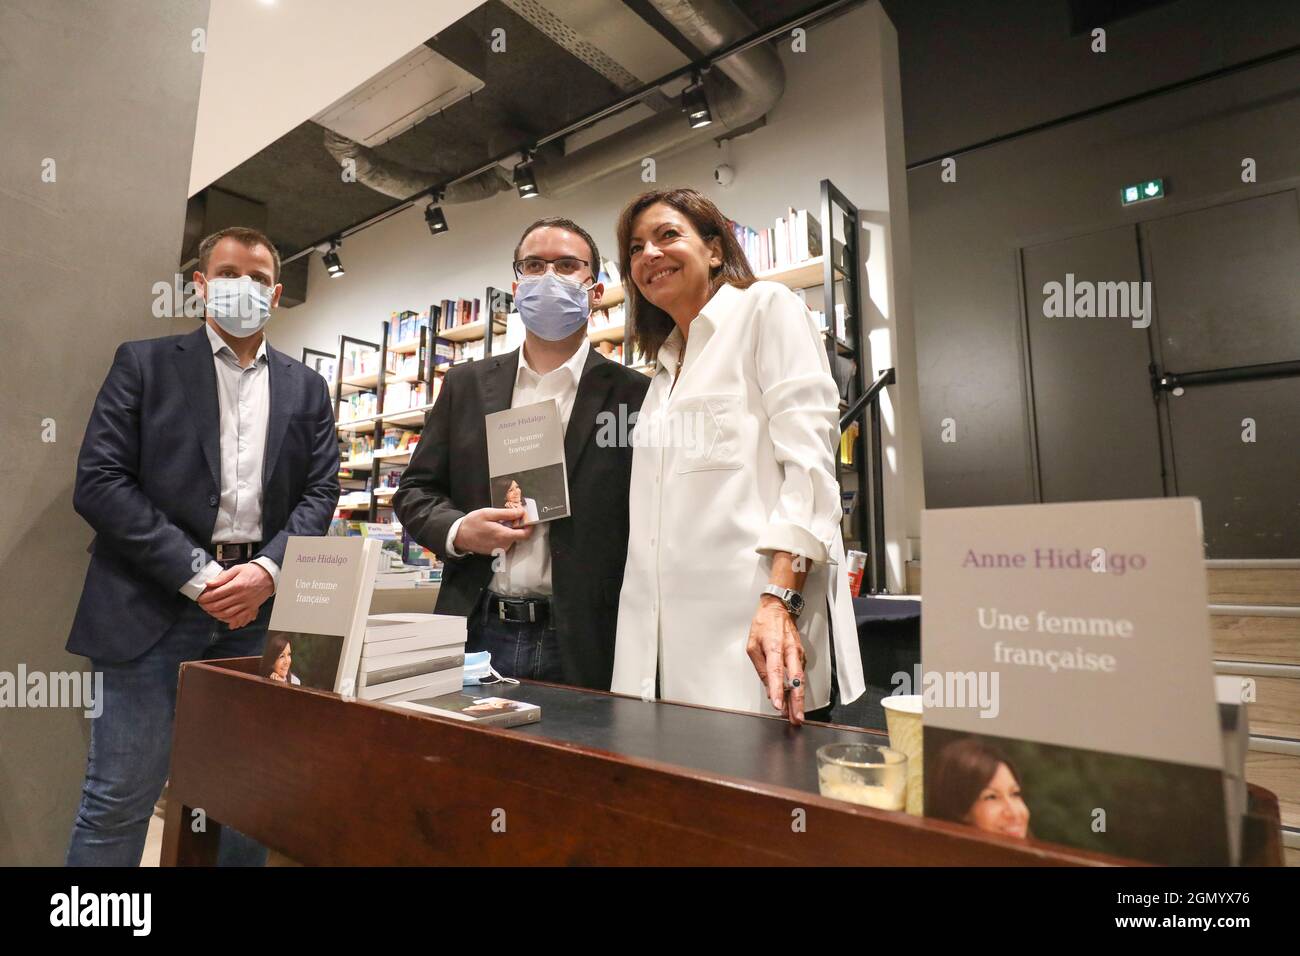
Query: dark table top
point(746, 746)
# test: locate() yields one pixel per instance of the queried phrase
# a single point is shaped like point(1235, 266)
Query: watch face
point(796, 601)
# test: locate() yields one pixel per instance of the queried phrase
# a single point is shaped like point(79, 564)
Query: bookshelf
point(364, 397)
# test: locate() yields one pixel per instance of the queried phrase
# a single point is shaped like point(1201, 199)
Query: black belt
point(228, 555)
point(518, 610)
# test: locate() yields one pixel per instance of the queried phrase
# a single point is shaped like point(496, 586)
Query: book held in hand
point(526, 461)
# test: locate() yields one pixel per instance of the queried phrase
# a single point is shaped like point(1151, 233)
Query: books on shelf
point(360, 448)
point(359, 359)
point(402, 396)
point(399, 440)
point(404, 327)
point(457, 312)
point(358, 405)
point(794, 238)
point(474, 350)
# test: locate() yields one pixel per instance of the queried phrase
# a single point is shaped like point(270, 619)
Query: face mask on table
point(552, 306)
point(479, 670)
point(240, 306)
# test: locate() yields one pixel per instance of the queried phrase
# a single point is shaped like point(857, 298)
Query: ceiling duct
point(740, 90)
point(399, 98)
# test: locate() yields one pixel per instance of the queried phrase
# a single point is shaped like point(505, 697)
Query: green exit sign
point(1141, 192)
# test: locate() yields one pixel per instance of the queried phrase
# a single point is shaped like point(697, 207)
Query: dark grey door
point(1227, 301)
point(1093, 413)
point(1225, 318)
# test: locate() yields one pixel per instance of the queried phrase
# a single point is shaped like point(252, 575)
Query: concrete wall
point(111, 98)
point(840, 118)
point(968, 82)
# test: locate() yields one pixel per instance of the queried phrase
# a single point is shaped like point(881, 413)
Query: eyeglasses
point(536, 266)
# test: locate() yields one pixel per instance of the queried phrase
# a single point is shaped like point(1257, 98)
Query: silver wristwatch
point(791, 598)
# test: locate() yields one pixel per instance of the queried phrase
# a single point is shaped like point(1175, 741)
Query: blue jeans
point(131, 742)
point(529, 651)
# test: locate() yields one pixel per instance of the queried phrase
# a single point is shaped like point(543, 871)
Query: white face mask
point(240, 306)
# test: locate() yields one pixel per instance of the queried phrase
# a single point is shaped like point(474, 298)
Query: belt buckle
point(230, 552)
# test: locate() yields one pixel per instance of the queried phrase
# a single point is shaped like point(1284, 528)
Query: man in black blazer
point(203, 453)
point(542, 598)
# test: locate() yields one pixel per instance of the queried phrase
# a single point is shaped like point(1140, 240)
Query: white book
point(385, 661)
point(317, 625)
point(420, 642)
point(389, 675)
point(425, 685)
point(381, 628)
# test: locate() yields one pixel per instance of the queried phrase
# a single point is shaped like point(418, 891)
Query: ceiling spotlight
point(695, 105)
point(525, 181)
point(331, 259)
point(433, 215)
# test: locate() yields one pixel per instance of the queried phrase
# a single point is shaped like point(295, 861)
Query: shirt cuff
point(193, 588)
point(786, 536)
point(271, 567)
point(451, 537)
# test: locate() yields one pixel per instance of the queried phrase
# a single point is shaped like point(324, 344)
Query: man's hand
point(234, 596)
point(488, 530)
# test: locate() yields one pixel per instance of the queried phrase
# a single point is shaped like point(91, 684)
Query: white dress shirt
point(735, 463)
point(526, 567)
point(243, 408)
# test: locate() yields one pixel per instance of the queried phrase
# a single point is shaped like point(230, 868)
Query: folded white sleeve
point(802, 407)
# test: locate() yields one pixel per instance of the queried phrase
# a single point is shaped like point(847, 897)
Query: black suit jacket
point(448, 477)
point(149, 477)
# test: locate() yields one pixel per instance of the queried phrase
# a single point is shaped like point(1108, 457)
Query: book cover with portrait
point(318, 620)
point(1068, 690)
point(526, 466)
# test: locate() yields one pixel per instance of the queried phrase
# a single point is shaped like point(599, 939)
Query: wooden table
point(602, 779)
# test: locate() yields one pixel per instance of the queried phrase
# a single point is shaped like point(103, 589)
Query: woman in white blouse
point(735, 588)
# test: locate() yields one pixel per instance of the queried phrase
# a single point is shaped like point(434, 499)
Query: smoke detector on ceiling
point(403, 95)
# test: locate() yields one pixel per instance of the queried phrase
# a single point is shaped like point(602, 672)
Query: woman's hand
point(777, 653)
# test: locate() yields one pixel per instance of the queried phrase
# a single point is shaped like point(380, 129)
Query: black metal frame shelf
point(840, 264)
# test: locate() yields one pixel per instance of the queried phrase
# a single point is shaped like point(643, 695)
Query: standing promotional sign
point(1068, 681)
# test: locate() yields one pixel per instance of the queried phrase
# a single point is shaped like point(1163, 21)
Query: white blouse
point(735, 463)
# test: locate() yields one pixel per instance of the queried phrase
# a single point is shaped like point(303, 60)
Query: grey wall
point(108, 91)
point(969, 75)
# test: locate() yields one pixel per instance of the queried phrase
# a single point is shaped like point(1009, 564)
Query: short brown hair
point(651, 325)
point(568, 225)
point(245, 236)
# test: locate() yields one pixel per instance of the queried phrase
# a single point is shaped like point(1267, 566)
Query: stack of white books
point(411, 655)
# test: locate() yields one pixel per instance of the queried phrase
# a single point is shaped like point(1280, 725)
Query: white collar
point(218, 343)
point(720, 304)
point(574, 364)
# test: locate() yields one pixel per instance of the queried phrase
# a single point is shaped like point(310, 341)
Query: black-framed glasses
point(536, 266)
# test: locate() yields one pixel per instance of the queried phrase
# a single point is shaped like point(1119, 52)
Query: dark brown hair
point(963, 768)
point(568, 225)
point(245, 236)
point(651, 324)
point(275, 643)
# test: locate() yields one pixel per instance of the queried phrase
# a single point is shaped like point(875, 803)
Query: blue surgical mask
point(240, 306)
point(479, 670)
point(552, 306)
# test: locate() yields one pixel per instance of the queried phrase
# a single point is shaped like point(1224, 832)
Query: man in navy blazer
point(203, 453)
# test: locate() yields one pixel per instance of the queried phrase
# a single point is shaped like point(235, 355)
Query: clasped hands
point(235, 595)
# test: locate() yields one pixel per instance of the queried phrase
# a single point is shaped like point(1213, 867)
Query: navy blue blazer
point(149, 476)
